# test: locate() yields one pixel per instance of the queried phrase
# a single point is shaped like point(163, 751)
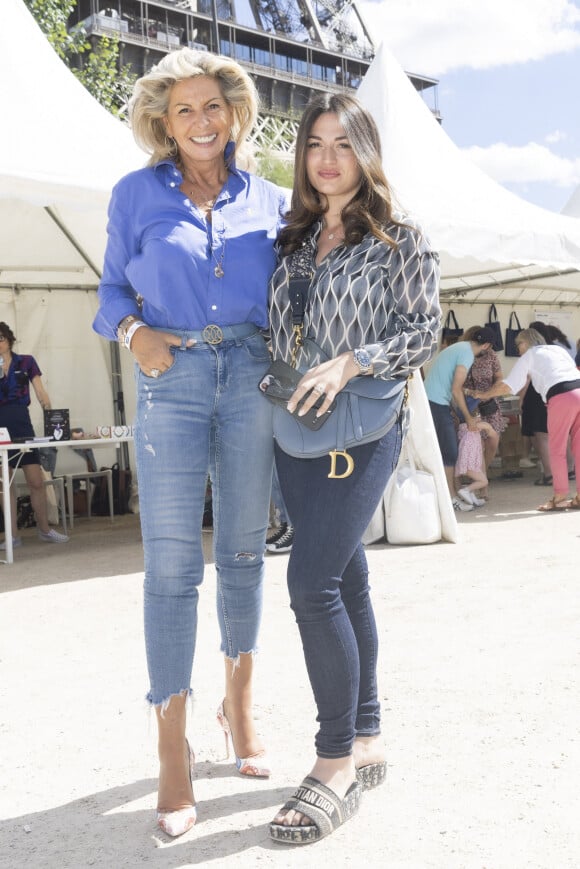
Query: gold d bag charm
point(334, 454)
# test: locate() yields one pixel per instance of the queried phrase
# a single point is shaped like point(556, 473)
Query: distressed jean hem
point(185, 692)
point(235, 660)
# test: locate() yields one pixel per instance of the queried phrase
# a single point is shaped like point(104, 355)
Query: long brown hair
point(371, 208)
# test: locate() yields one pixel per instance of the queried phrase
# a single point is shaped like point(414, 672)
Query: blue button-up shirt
point(161, 248)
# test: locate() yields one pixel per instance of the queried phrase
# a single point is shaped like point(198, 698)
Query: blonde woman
point(554, 375)
point(185, 287)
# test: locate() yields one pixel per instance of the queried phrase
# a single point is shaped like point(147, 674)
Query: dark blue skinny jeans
point(329, 588)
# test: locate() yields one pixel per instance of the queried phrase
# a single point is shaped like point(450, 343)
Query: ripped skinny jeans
point(205, 415)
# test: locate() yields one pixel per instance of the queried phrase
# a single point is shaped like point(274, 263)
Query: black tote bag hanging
point(495, 326)
point(510, 335)
point(452, 332)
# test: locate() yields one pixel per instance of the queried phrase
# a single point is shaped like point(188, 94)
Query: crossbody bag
point(364, 410)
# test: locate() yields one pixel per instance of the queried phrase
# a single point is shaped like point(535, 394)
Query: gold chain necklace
point(205, 205)
point(207, 208)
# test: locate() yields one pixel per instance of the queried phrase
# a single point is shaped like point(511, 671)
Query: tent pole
point(52, 214)
point(118, 400)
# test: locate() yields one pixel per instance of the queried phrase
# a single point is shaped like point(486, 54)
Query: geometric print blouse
point(366, 295)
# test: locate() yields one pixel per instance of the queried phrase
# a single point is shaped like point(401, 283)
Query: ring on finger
point(319, 388)
point(155, 372)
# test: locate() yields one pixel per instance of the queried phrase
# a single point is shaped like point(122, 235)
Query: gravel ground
point(480, 654)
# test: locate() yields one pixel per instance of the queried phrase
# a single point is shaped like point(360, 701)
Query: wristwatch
point(127, 328)
point(363, 359)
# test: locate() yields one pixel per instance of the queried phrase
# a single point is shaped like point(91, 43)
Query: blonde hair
point(150, 101)
point(532, 337)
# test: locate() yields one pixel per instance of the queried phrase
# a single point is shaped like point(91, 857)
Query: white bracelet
point(131, 331)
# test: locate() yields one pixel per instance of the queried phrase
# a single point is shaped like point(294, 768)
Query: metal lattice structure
point(275, 136)
point(334, 24)
point(296, 49)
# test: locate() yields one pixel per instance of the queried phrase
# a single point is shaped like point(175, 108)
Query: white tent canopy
point(494, 246)
point(60, 154)
point(572, 207)
point(64, 152)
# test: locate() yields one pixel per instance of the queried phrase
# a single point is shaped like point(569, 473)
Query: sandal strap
point(324, 808)
point(552, 504)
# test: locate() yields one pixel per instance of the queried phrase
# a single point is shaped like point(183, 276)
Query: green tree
point(100, 75)
point(99, 68)
point(52, 17)
point(275, 170)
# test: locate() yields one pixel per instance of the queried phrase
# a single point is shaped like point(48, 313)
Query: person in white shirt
point(555, 376)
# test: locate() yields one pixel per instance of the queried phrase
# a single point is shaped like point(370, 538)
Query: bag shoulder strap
point(492, 316)
point(449, 319)
point(513, 316)
point(298, 292)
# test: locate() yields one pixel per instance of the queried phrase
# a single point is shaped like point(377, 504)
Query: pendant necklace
point(207, 208)
point(334, 234)
point(218, 270)
point(219, 263)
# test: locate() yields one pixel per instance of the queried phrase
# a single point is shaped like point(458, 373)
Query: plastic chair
point(58, 484)
point(87, 476)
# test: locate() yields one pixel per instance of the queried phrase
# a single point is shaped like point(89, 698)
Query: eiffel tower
point(292, 48)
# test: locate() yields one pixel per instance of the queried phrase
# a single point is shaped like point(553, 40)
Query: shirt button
point(214, 307)
point(172, 183)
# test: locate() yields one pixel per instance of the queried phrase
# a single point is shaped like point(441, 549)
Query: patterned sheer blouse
point(367, 295)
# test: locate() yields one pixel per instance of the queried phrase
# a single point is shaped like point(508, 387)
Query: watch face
point(362, 359)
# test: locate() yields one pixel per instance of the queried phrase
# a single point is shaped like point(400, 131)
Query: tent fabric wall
point(54, 327)
point(476, 314)
point(59, 160)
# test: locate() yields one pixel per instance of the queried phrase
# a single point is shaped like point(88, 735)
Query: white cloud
point(436, 36)
point(525, 164)
point(555, 137)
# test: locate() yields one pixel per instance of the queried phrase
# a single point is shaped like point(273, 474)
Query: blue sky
point(509, 83)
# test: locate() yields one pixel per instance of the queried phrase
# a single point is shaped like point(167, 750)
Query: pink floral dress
point(470, 454)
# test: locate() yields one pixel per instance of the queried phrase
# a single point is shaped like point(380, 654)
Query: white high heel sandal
point(256, 765)
point(179, 822)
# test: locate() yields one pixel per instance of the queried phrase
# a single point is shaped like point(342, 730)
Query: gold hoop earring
point(171, 146)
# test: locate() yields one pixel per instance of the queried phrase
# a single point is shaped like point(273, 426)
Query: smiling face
point(331, 165)
point(199, 119)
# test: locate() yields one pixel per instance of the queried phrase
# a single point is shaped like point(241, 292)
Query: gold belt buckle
point(212, 334)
